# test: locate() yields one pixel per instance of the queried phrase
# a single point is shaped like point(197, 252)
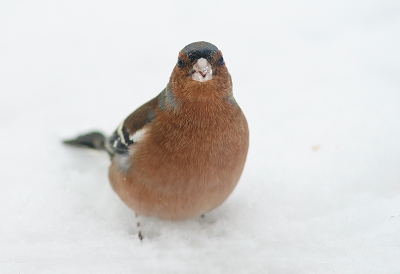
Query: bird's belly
point(181, 173)
point(178, 184)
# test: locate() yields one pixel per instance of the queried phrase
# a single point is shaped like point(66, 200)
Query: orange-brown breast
point(188, 163)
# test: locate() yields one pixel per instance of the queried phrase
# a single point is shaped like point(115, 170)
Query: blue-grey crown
point(197, 50)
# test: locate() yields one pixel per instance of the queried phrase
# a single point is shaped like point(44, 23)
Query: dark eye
point(221, 61)
point(180, 63)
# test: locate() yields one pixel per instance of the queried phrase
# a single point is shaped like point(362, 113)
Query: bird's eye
point(221, 61)
point(180, 63)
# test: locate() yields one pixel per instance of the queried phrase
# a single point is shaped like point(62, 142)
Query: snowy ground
point(319, 84)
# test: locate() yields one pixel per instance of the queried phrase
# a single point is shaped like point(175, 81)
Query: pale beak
point(202, 70)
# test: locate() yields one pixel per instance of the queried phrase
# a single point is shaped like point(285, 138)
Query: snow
point(319, 82)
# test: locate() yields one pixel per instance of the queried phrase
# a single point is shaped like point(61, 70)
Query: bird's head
point(200, 72)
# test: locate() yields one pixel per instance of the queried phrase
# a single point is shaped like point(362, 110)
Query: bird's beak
point(202, 70)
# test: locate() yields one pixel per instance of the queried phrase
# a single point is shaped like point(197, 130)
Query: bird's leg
point(140, 236)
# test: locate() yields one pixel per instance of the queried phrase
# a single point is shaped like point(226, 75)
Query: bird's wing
point(125, 134)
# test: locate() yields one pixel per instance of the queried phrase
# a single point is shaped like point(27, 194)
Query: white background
point(319, 83)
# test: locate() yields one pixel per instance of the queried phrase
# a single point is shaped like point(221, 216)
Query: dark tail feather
point(94, 140)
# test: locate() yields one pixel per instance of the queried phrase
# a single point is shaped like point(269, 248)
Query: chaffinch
point(181, 154)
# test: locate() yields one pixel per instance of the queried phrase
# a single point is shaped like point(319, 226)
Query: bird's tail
point(94, 140)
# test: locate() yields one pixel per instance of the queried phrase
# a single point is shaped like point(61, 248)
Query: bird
point(181, 154)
